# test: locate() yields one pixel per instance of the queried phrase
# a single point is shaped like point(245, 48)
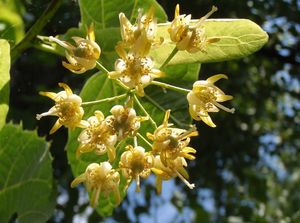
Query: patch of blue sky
point(205, 197)
point(286, 80)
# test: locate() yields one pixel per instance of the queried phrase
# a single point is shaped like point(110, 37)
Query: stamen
point(59, 42)
point(232, 110)
point(39, 116)
point(202, 19)
point(191, 186)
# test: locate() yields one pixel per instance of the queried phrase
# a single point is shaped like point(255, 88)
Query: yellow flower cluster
point(135, 68)
point(168, 149)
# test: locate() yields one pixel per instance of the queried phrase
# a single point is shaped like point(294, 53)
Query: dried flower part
point(100, 179)
point(172, 143)
point(84, 55)
point(97, 137)
point(144, 28)
point(67, 107)
point(136, 163)
point(191, 38)
point(124, 121)
point(175, 169)
point(205, 98)
point(136, 72)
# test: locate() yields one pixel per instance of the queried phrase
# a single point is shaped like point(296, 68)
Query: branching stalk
point(144, 110)
point(171, 87)
point(104, 100)
point(173, 53)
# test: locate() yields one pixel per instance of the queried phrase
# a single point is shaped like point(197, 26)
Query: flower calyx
point(191, 38)
point(136, 163)
point(83, 55)
point(205, 98)
point(67, 107)
point(97, 137)
point(100, 178)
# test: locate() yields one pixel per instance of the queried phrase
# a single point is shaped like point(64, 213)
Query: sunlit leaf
point(26, 184)
point(104, 13)
point(4, 80)
point(11, 24)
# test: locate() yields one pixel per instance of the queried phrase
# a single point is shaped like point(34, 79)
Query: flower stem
point(144, 110)
point(144, 139)
point(35, 29)
point(175, 120)
point(172, 54)
point(171, 87)
point(101, 67)
point(103, 100)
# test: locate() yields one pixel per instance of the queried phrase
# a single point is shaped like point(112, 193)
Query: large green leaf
point(26, 184)
point(105, 13)
point(238, 38)
point(11, 24)
point(4, 80)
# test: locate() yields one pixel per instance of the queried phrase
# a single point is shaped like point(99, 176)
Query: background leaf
point(26, 184)
point(11, 23)
point(4, 80)
point(104, 13)
point(238, 38)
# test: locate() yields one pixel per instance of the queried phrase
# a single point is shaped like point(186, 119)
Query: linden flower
point(188, 37)
point(171, 143)
point(205, 97)
point(124, 121)
point(175, 169)
point(97, 137)
point(100, 179)
point(136, 163)
point(67, 107)
point(134, 71)
point(145, 25)
point(83, 55)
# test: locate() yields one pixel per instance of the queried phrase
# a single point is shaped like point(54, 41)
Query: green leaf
point(26, 184)
point(11, 24)
point(105, 13)
point(4, 80)
point(238, 38)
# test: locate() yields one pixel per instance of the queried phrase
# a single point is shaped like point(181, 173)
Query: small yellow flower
point(205, 97)
point(98, 137)
point(175, 169)
point(136, 163)
point(124, 121)
point(172, 143)
point(67, 107)
point(145, 26)
point(188, 37)
point(83, 55)
point(100, 179)
point(136, 72)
